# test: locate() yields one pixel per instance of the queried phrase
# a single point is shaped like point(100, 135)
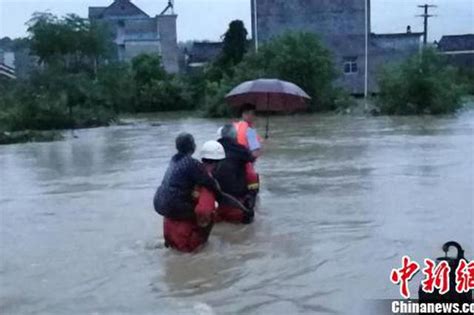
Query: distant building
point(16, 55)
point(341, 25)
point(135, 32)
point(459, 49)
point(199, 54)
point(7, 64)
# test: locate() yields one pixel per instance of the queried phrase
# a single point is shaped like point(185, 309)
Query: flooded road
point(343, 198)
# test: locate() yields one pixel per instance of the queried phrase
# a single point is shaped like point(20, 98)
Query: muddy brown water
point(343, 198)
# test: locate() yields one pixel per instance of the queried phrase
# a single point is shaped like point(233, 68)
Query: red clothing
point(188, 235)
point(252, 178)
point(253, 181)
point(226, 213)
point(229, 214)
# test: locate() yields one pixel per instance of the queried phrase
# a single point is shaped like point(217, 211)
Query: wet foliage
point(424, 84)
point(299, 57)
point(77, 83)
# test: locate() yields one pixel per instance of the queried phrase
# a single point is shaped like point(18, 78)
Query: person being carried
point(187, 195)
point(233, 179)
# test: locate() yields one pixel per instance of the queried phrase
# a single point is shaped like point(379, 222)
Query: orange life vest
point(242, 128)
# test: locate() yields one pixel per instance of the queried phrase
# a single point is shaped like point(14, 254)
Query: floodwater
point(343, 199)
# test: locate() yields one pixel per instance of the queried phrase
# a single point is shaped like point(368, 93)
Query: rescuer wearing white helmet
point(212, 151)
point(235, 179)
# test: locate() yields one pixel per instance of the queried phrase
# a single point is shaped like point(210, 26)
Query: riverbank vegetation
point(74, 86)
point(77, 83)
point(296, 57)
point(423, 84)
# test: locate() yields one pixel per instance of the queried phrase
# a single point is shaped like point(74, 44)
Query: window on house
point(350, 65)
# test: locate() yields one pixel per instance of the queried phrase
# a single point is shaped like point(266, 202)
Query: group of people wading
point(222, 187)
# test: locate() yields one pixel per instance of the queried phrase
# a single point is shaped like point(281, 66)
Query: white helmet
point(212, 150)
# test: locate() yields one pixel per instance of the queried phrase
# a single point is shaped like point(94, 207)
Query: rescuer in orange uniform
point(232, 178)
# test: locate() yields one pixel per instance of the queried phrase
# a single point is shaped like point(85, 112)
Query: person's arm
point(256, 153)
point(201, 177)
point(254, 144)
point(249, 156)
point(243, 154)
point(205, 207)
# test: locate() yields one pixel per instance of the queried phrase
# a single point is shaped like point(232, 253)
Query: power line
point(425, 17)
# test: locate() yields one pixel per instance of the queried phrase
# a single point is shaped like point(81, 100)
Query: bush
point(466, 78)
point(53, 100)
point(117, 87)
point(296, 57)
point(155, 90)
point(162, 95)
point(76, 86)
point(47, 112)
point(421, 85)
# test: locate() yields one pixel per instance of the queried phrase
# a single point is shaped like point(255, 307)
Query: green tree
point(296, 57)
point(116, 86)
point(155, 90)
point(71, 42)
point(234, 44)
point(233, 51)
point(146, 68)
point(302, 59)
point(423, 84)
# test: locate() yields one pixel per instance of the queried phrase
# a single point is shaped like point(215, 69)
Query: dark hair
point(185, 143)
point(228, 131)
point(246, 108)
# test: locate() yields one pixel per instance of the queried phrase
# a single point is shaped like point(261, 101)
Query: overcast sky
point(208, 19)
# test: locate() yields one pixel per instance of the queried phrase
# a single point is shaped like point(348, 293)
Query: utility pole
point(255, 24)
point(425, 17)
point(366, 61)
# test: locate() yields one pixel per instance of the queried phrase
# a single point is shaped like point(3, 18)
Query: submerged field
point(343, 198)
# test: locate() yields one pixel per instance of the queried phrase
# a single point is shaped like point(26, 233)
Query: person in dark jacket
point(174, 197)
point(188, 194)
point(232, 177)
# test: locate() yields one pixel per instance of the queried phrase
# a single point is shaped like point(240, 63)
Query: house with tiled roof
point(135, 32)
point(459, 49)
point(202, 53)
point(456, 44)
point(7, 64)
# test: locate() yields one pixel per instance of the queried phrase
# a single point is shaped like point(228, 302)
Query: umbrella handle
point(268, 117)
point(267, 126)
